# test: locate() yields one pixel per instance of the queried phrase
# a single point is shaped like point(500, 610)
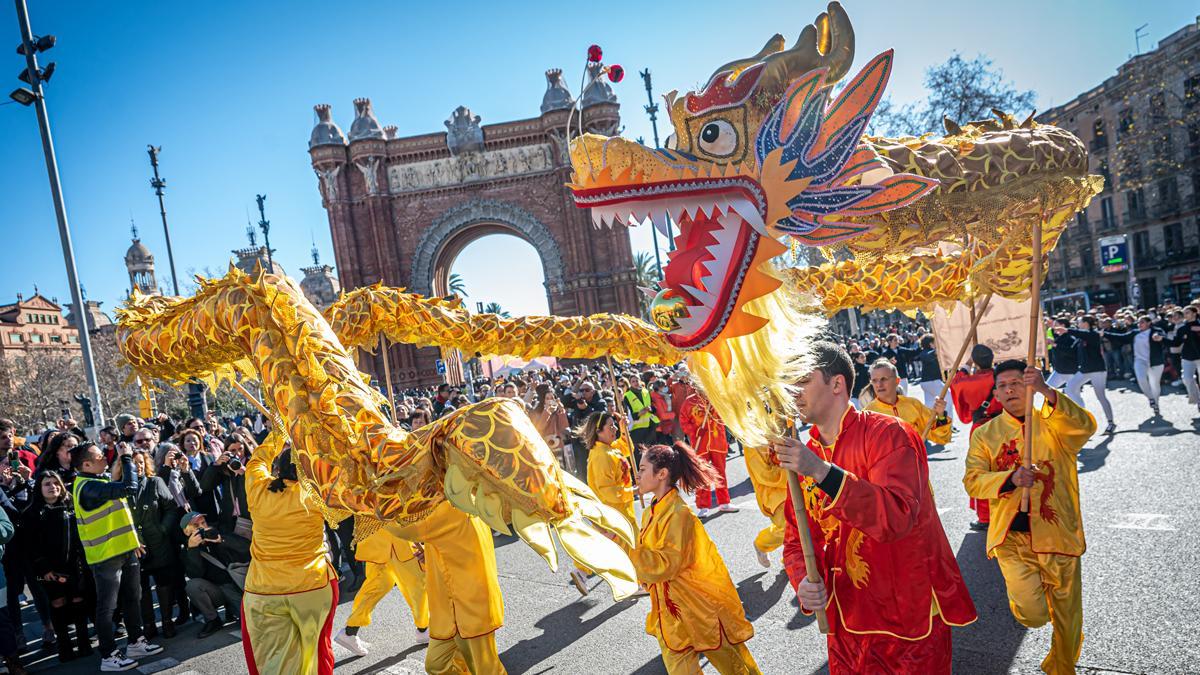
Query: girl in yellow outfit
point(390, 562)
point(694, 607)
point(291, 588)
point(465, 605)
point(608, 471)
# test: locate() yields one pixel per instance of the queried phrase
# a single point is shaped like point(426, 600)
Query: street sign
point(441, 367)
point(1114, 254)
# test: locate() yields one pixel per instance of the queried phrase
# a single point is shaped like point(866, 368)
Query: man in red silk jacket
point(890, 584)
point(976, 403)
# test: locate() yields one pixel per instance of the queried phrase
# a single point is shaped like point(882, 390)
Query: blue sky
point(227, 90)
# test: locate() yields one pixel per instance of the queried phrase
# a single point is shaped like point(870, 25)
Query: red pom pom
point(595, 54)
point(616, 73)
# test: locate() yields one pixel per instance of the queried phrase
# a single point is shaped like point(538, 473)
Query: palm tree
point(495, 308)
point(457, 285)
point(647, 277)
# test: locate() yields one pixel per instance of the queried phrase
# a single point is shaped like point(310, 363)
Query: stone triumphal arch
point(401, 209)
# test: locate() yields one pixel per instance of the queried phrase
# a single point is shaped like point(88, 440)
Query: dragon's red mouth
point(720, 225)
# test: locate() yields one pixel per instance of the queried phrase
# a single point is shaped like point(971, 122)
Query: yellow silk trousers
point(1045, 588)
point(770, 537)
point(380, 578)
point(289, 633)
point(463, 656)
point(727, 659)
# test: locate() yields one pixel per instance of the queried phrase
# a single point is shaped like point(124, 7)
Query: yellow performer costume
point(694, 607)
point(770, 490)
point(915, 413)
point(465, 605)
point(390, 562)
point(1041, 563)
point(609, 477)
point(291, 588)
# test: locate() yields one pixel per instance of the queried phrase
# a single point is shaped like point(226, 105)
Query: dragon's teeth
point(690, 324)
point(708, 299)
point(749, 213)
point(661, 220)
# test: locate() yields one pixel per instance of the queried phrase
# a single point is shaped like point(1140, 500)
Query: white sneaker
point(762, 557)
point(141, 648)
point(704, 513)
point(352, 644)
point(580, 580)
point(115, 663)
point(729, 508)
point(422, 636)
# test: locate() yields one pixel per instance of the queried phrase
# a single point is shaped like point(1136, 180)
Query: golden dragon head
point(762, 153)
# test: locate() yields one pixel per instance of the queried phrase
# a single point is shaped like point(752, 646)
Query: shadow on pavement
point(995, 637)
point(1094, 457)
point(652, 667)
point(758, 600)
point(559, 628)
point(381, 666)
point(741, 489)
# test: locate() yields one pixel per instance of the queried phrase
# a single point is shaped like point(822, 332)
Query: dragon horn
point(775, 44)
point(826, 43)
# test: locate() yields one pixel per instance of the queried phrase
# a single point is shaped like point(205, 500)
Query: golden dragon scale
point(360, 315)
point(487, 459)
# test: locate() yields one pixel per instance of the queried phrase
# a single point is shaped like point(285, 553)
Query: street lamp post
point(60, 209)
point(265, 226)
point(652, 111)
point(158, 184)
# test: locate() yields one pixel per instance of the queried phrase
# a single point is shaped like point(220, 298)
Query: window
point(1102, 169)
point(1158, 107)
point(15, 338)
point(1108, 217)
point(1134, 203)
point(35, 338)
point(1126, 125)
point(56, 339)
point(1191, 91)
point(1082, 220)
point(73, 339)
point(1173, 238)
point(1086, 260)
point(1098, 129)
point(1168, 191)
point(1141, 245)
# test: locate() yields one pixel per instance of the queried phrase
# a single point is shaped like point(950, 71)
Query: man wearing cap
point(112, 549)
point(216, 569)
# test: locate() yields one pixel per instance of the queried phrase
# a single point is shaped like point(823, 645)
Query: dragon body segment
point(487, 459)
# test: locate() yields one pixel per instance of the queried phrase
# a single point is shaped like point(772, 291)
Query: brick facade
point(401, 209)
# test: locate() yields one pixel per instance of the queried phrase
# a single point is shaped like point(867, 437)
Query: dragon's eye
point(672, 143)
point(718, 138)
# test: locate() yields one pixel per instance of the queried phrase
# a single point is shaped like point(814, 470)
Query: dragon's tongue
point(684, 268)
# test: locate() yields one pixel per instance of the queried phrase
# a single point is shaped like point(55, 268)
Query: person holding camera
point(112, 549)
point(216, 569)
point(223, 485)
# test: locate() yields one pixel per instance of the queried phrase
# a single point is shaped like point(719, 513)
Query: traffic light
point(197, 399)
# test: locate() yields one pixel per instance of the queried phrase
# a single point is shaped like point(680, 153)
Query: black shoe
point(209, 628)
point(119, 631)
point(978, 526)
point(168, 629)
point(233, 617)
point(181, 620)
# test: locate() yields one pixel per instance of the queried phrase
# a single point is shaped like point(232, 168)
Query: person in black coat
point(1187, 338)
point(154, 515)
point(183, 487)
point(55, 555)
point(223, 484)
point(1092, 368)
point(1064, 357)
point(16, 493)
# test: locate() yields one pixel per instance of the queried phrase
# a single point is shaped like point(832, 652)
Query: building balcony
point(1157, 258)
point(1165, 208)
point(1133, 218)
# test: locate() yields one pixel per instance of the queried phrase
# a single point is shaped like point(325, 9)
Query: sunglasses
point(139, 441)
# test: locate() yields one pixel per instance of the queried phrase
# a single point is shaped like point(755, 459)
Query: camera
point(210, 534)
point(235, 464)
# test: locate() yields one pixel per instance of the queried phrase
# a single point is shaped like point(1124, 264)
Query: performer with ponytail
point(291, 588)
point(694, 606)
point(608, 471)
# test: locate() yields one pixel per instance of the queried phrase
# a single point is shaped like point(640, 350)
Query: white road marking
point(1143, 521)
point(943, 511)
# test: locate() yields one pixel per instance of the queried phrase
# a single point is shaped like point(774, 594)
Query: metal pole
point(1135, 291)
point(158, 184)
point(60, 210)
point(652, 111)
point(265, 226)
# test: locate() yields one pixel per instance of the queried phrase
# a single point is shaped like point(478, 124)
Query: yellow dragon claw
point(600, 554)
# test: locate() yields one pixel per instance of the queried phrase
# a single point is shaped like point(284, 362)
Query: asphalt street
point(1141, 590)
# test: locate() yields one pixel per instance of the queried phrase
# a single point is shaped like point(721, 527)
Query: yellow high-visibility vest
point(106, 532)
point(637, 407)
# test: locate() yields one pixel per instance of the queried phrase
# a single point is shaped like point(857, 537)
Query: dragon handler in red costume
point(975, 401)
point(890, 584)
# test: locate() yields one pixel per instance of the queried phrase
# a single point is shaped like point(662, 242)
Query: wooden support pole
point(387, 376)
point(1035, 325)
point(253, 400)
point(811, 572)
point(612, 382)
